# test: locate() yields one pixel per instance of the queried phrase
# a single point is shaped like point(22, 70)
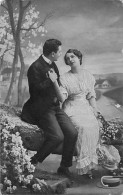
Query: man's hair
point(51, 45)
point(75, 52)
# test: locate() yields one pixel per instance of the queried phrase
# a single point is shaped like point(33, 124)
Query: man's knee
point(74, 134)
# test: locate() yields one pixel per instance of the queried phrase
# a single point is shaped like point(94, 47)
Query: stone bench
point(31, 135)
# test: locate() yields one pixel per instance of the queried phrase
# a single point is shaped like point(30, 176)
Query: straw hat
point(109, 182)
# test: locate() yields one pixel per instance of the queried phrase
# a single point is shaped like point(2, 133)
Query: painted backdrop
point(93, 26)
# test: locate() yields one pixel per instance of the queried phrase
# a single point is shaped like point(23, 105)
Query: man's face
point(58, 53)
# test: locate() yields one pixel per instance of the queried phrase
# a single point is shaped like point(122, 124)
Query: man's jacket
point(41, 89)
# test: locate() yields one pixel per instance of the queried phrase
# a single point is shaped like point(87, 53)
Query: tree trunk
point(20, 92)
point(15, 61)
point(1, 63)
point(16, 36)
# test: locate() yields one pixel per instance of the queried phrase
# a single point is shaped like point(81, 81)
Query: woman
point(78, 97)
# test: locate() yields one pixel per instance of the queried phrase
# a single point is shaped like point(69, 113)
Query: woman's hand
point(52, 75)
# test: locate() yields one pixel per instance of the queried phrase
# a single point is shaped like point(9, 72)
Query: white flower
point(21, 178)
point(30, 167)
point(5, 136)
point(26, 181)
point(17, 133)
point(5, 179)
point(4, 144)
point(14, 138)
point(14, 187)
point(4, 131)
point(7, 182)
point(36, 187)
point(3, 171)
point(18, 168)
point(14, 152)
point(19, 140)
point(9, 190)
point(26, 158)
point(30, 176)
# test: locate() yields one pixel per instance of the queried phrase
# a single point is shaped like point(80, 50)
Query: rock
point(57, 184)
point(32, 136)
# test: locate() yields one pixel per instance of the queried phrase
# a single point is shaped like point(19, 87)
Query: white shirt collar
point(46, 59)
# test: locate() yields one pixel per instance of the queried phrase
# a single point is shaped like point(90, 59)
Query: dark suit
point(43, 109)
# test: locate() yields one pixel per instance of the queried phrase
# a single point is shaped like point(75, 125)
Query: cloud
point(93, 26)
point(95, 32)
point(104, 63)
point(71, 26)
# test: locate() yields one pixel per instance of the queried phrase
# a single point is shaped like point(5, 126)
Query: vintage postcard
point(88, 66)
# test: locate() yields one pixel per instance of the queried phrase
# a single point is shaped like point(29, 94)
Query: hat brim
point(100, 185)
point(110, 167)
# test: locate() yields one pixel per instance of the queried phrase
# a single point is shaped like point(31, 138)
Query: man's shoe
point(64, 171)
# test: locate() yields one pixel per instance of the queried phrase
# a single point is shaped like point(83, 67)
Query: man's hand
point(52, 75)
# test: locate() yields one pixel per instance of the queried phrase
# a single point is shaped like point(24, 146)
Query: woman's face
point(72, 60)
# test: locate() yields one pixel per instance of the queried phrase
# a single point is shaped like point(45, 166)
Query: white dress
point(76, 88)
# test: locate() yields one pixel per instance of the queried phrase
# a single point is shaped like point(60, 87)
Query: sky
point(95, 27)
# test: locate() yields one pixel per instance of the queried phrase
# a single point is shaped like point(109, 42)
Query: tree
point(24, 23)
point(6, 41)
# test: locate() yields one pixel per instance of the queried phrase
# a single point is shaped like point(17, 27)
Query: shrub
point(16, 168)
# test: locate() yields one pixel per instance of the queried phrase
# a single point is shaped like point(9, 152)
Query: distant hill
point(116, 79)
point(116, 94)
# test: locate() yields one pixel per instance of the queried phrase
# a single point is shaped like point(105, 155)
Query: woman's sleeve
point(91, 84)
point(63, 87)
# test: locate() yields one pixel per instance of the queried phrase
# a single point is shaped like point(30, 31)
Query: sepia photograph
point(61, 97)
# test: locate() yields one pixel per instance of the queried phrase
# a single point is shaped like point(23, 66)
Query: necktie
point(51, 65)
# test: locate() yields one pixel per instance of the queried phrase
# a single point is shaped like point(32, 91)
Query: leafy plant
point(16, 168)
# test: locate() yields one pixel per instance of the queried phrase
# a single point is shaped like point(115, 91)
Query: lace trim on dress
point(85, 165)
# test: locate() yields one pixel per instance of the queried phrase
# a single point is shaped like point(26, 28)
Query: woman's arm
point(93, 104)
point(53, 76)
point(61, 96)
point(91, 95)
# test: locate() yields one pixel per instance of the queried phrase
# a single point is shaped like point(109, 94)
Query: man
point(43, 108)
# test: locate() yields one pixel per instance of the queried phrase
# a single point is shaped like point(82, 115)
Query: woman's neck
point(75, 70)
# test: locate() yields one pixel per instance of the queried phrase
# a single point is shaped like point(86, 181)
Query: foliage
point(20, 24)
point(31, 27)
point(16, 169)
point(111, 131)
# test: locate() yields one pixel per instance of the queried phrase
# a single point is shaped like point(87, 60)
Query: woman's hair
point(75, 52)
point(51, 45)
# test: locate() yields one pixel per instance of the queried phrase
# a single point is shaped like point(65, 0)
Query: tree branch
point(4, 7)
point(31, 26)
point(49, 15)
point(41, 24)
point(10, 12)
point(27, 5)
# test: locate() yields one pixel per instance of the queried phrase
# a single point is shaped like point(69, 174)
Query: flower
point(16, 167)
point(14, 188)
point(9, 190)
point(36, 187)
point(110, 131)
point(7, 182)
